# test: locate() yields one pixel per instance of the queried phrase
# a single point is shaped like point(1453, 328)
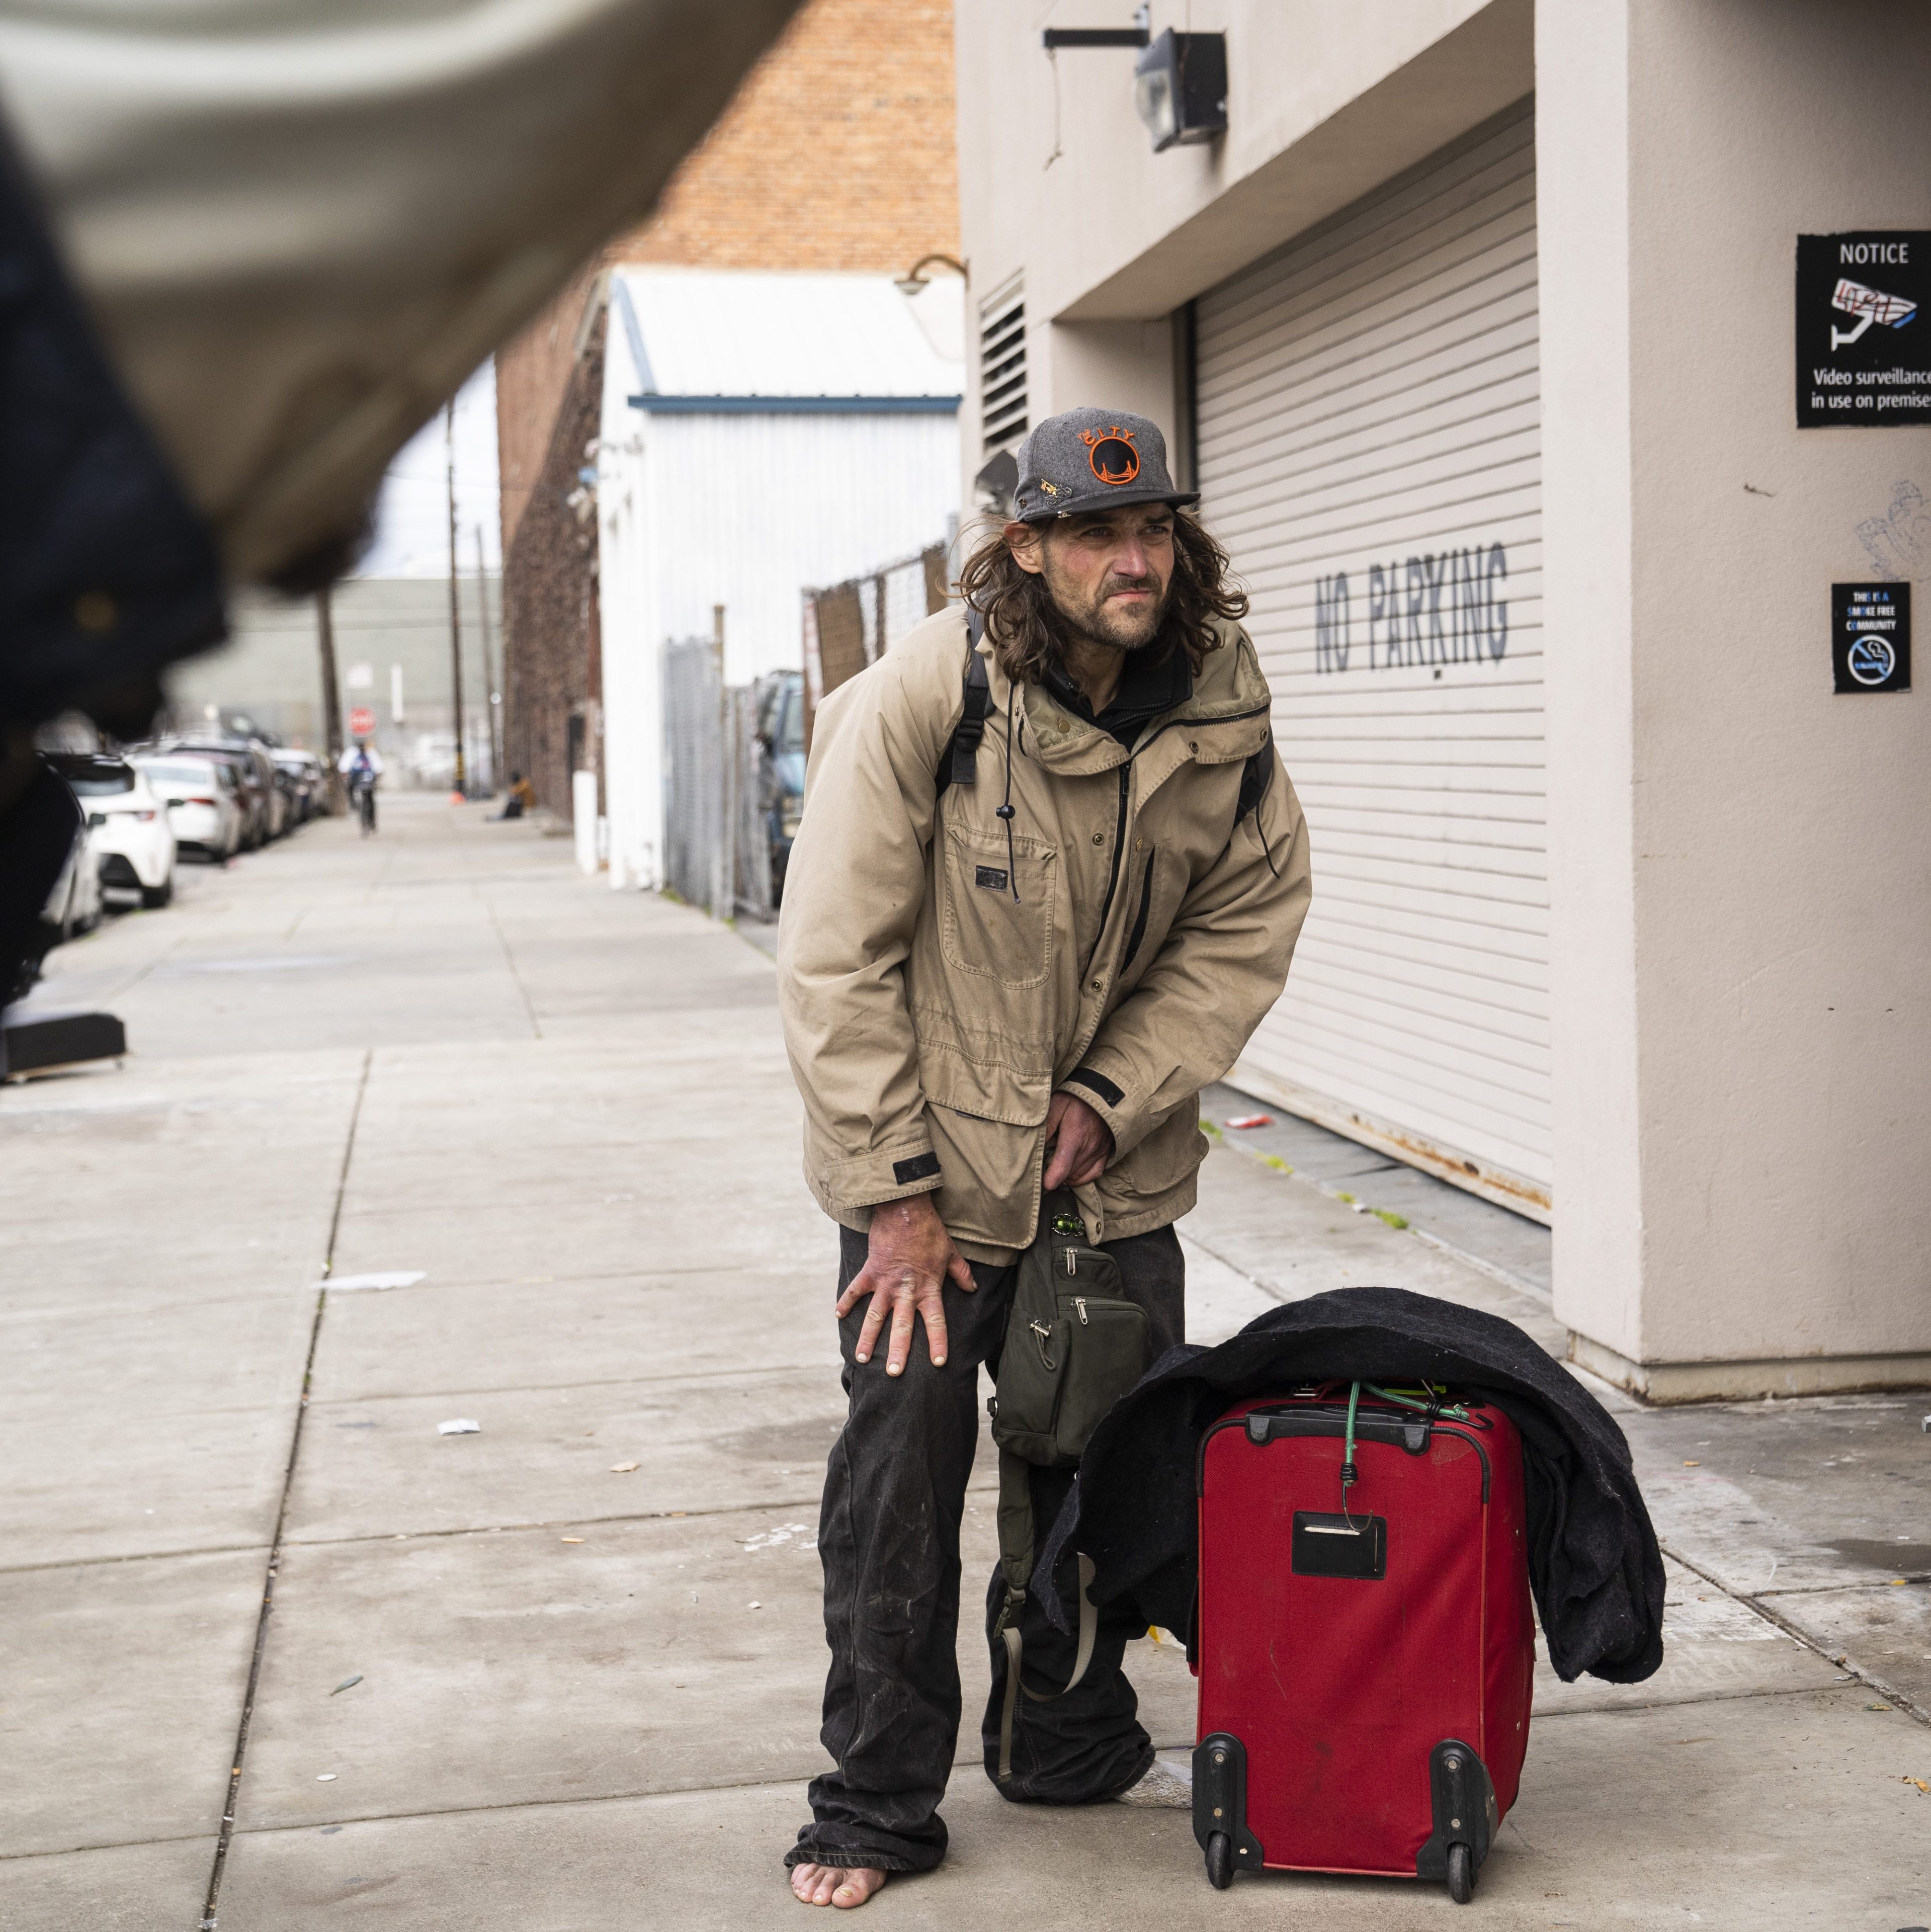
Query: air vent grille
point(1002, 368)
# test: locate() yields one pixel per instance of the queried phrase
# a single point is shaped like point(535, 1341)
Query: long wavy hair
point(1026, 628)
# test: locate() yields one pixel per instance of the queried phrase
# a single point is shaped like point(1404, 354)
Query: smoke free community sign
point(1863, 339)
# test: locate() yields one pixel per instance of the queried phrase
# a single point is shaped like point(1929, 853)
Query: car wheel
point(153, 898)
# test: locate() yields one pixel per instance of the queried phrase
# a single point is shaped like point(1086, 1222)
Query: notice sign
point(1870, 636)
point(1863, 342)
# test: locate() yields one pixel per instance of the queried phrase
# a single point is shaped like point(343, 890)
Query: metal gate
point(1368, 425)
point(716, 851)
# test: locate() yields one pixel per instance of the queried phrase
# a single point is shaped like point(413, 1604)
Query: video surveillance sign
point(1864, 341)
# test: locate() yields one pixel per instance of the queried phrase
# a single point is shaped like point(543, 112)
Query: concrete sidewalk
point(562, 1674)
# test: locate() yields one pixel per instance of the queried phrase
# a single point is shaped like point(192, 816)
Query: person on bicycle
point(363, 768)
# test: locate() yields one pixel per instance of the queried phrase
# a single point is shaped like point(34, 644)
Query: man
point(1001, 969)
point(521, 797)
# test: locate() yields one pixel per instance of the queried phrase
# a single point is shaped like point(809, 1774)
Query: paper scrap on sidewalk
point(462, 1426)
point(347, 1683)
point(345, 1284)
point(623, 1468)
point(325, 1777)
point(1251, 1120)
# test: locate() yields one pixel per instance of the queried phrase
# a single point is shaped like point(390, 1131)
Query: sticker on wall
point(1863, 340)
point(1870, 636)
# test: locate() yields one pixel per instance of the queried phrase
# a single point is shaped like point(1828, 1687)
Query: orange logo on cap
point(1112, 457)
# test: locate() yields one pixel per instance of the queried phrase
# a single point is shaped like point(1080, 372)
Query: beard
point(1120, 627)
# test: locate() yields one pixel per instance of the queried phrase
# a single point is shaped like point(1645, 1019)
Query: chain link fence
point(855, 623)
point(720, 782)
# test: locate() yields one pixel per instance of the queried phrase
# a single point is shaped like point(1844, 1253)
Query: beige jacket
point(930, 1015)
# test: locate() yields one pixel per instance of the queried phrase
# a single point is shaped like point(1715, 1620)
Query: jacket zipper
point(1113, 878)
point(1204, 723)
point(1079, 1302)
point(1119, 829)
point(1139, 932)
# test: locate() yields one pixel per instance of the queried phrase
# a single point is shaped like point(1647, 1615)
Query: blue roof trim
point(626, 310)
point(655, 404)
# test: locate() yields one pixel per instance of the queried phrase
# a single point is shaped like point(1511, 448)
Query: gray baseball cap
point(1093, 460)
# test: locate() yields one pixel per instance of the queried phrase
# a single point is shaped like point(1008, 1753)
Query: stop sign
point(361, 722)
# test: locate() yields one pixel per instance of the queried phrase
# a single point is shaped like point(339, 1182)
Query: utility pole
point(332, 701)
point(723, 873)
point(497, 775)
point(455, 611)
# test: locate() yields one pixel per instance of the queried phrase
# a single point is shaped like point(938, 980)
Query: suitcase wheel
point(1460, 1873)
point(1220, 1861)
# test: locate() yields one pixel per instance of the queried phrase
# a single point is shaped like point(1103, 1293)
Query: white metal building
point(760, 433)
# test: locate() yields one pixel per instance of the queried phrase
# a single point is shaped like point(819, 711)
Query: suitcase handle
point(1265, 1426)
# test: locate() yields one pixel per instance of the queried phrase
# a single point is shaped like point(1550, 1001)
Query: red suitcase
point(1365, 1658)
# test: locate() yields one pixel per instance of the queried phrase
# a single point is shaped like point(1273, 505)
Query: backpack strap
point(1016, 1558)
point(959, 764)
point(1256, 775)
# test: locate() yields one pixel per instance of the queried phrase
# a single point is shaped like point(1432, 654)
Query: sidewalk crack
point(1790, 1627)
point(239, 1756)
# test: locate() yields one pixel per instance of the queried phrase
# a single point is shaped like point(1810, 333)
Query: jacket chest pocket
point(983, 928)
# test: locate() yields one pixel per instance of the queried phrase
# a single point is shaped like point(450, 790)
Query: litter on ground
point(347, 1284)
point(1251, 1120)
point(463, 1425)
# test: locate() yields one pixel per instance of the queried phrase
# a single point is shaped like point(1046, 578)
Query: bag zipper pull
point(1079, 1302)
point(1072, 1261)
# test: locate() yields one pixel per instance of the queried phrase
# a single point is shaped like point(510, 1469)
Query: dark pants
point(888, 1539)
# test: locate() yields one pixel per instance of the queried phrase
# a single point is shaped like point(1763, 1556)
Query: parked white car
point(198, 795)
point(74, 905)
point(133, 846)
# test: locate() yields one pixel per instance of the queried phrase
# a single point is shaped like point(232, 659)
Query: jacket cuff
point(1125, 1121)
point(893, 1174)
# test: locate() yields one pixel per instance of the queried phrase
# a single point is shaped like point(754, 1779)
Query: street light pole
point(492, 689)
point(455, 611)
point(332, 701)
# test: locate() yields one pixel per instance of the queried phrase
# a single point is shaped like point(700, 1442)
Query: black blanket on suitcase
point(1593, 1563)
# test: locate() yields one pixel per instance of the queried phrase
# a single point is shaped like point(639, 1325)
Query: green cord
point(1347, 1470)
point(1454, 1412)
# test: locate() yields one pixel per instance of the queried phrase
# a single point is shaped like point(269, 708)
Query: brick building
point(837, 155)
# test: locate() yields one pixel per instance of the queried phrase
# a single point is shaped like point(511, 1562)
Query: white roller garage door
point(1368, 428)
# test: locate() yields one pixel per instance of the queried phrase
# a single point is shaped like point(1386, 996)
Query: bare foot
point(844, 1886)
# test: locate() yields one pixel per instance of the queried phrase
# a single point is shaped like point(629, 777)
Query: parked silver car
point(201, 798)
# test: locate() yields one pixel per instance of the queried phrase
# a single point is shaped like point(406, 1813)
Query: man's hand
point(1078, 1143)
point(910, 1257)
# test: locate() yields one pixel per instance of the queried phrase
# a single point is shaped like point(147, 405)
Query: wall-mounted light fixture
point(915, 280)
point(1179, 89)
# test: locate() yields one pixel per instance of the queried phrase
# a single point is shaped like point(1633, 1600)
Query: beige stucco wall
point(1740, 860)
point(1323, 103)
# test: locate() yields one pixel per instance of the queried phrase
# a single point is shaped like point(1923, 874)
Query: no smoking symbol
point(1870, 660)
